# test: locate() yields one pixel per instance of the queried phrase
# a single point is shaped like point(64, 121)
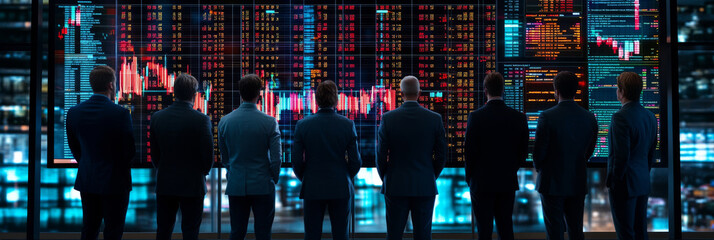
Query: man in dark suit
point(496, 145)
point(320, 145)
point(182, 153)
point(565, 140)
point(250, 149)
point(411, 153)
point(633, 139)
point(99, 134)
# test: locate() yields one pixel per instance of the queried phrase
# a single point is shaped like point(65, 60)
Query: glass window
point(696, 88)
point(695, 20)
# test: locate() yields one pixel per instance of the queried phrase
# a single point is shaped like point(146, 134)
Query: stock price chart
point(366, 47)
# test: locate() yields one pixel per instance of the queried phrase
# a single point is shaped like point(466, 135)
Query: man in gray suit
point(249, 141)
point(565, 140)
point(182, 152)
point(411, 154)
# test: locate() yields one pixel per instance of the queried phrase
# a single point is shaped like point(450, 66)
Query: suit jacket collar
point(248, 106)
point(182, 104)
point(496, 103)
point(326, 110)
point(568, 102)
point(631, 104)
point(410, 104)
point(100, 97)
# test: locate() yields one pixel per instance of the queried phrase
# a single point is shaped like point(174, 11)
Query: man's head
point(326, 94)
point(410, 89)
point(185, 87)
point(566, 85)
point(493, 85)
point(103, 81)
point(629, 87)
point(249, 87)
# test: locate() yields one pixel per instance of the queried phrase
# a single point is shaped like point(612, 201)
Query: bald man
point(411, 154)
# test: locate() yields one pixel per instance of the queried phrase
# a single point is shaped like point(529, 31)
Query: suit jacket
point(318, 155)
point(565, 140)
point(249, 141)
point(99, 134)
point(633, 139)
point(496, 145)
point(411, 151)
point(181, 150)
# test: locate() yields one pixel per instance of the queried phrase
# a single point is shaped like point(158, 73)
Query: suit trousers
point(191, 215)
point(629, 215)
point(490, 205)
point(561, 212)
point(398, 208)
point(112, 208)
point(339, 210)
point(263, 207)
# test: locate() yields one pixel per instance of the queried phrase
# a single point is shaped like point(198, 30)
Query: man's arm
point(523, 141)
point(540, 147)
point(440, 149)
point(620, 139)
point(128, 136)
point(154, 142)
point(651, 153)
point(222, 147)
point(275, 152)
point(206, 145)
point(593, 140)
point(382, 150)
point(72, 140)
point(470, 148)
point(354, 161)
point(298, 151)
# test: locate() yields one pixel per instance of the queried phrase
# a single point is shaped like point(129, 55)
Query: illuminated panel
point(391, 49)
point(213, 71)
point(697, 144)
point(463, 71)
point(513, 77)
point(81, 30)
point(431, 56)
point(542, 29)
point(294, 45)
point(622, 36)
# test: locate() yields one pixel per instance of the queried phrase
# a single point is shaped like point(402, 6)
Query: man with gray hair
point(411, 153)
point(182, 153)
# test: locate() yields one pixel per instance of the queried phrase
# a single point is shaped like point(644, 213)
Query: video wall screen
point(366, 47)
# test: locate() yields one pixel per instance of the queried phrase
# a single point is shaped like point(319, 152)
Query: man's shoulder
point(503, 110)
point(307, 119)
point(431, 113)
point(479, 113)
point(343, 119)
point(157, 115)
point(566, 111)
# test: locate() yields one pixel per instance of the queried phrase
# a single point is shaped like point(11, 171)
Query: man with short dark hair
point(633, 140)
point(99, 134)
point(182, 153)
point(564, 142)
point(496, 145)
point(411, 153)
point(249, 141)
point(320, 145)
